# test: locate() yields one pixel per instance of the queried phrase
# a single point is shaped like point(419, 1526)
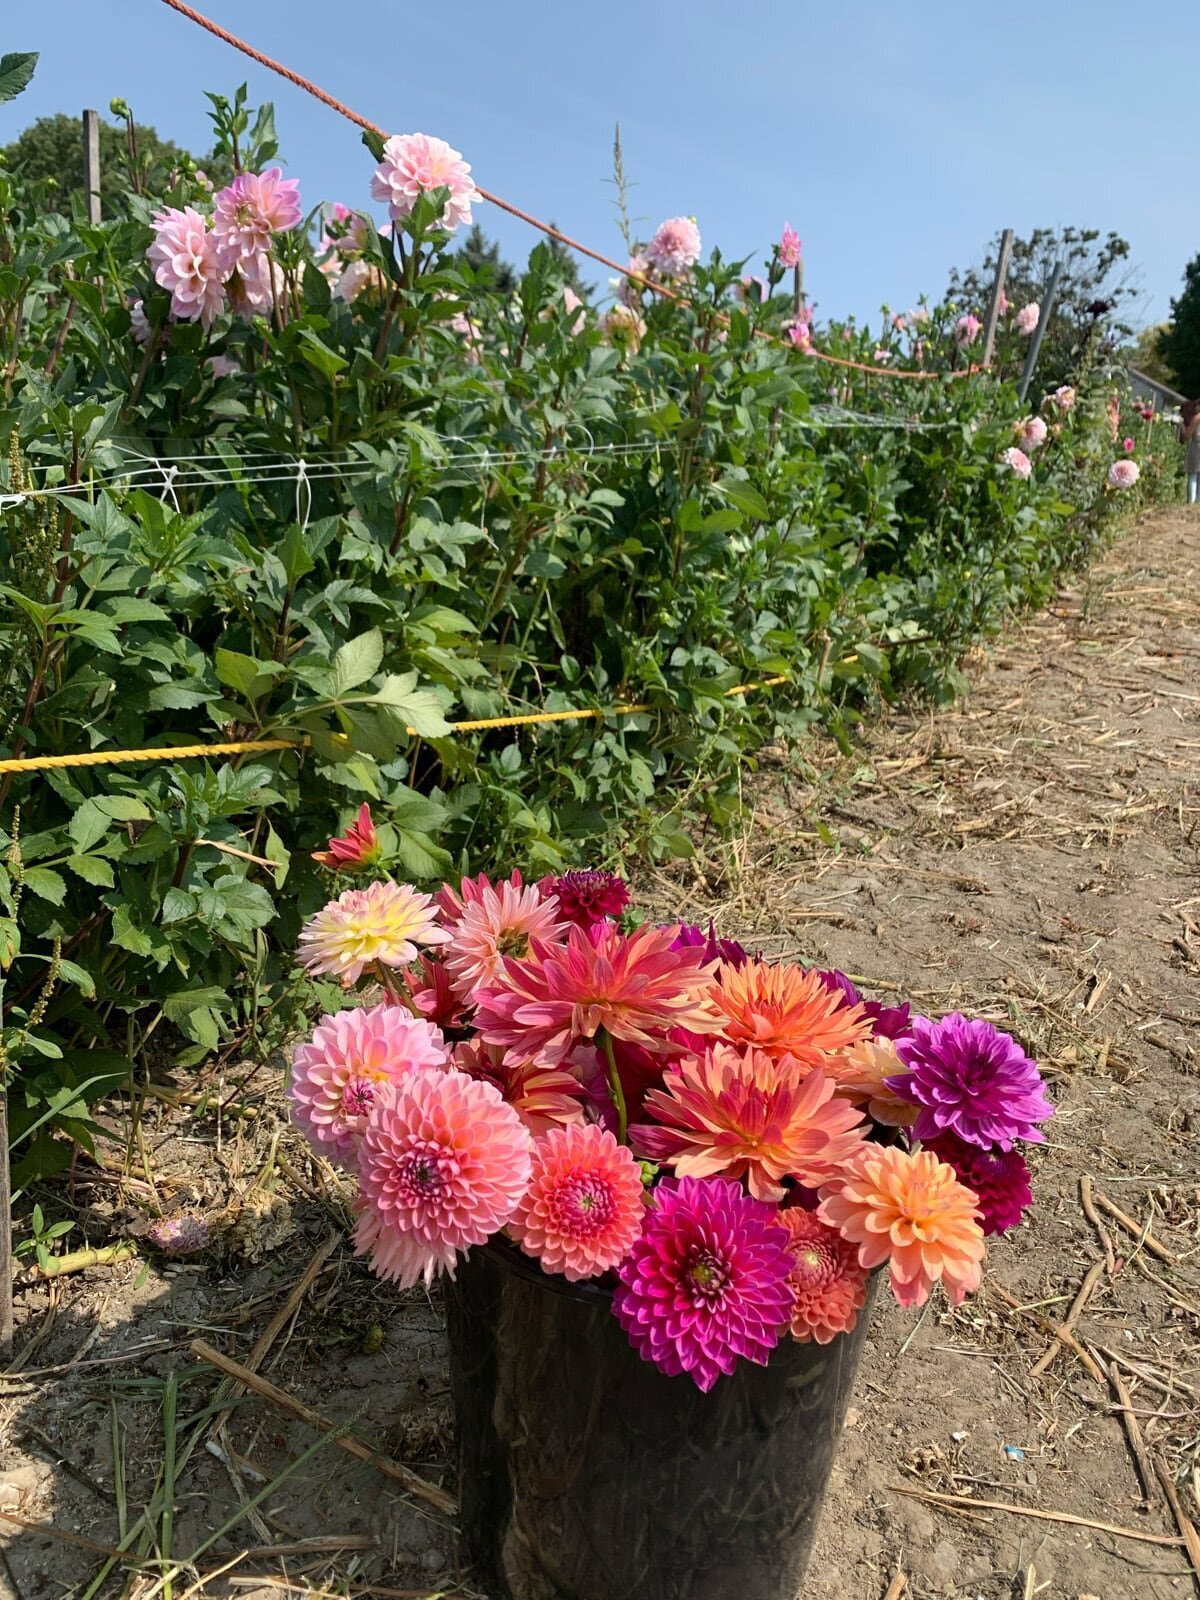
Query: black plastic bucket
point(586, 1474)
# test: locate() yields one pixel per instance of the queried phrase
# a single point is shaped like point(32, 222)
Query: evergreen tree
point(478, 252)
point(1180, 345)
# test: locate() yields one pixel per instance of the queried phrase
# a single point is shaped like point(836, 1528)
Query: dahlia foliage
point(732, 1145)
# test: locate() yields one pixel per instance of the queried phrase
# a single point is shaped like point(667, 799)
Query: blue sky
point(898, 140)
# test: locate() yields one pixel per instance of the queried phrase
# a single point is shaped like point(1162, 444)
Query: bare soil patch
point(1031, 855)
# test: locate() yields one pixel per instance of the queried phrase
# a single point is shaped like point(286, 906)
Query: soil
point(1030, 855)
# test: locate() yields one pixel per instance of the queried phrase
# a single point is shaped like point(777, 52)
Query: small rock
point(18, 1486)
point(432, 1561)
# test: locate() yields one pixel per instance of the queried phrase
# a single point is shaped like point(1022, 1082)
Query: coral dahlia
point(585, 1203)
point(862, 1073)
point(750, 1115)
point(786, 1011)
point(382, 924)
point(911, 1211)
point(829, 1284)
point(501, 921)
point(706, 1284)
point(442, 1165)
point(543, 1097)
point(337, 1074)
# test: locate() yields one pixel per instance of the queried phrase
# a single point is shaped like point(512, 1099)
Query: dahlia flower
point(415, 163)
point(634, 986)
point(862, 1074)
point(1064, 397)
point(622, 324)
point(675, 247)
point(221, 366)
point(432, 992)
point(188, 261)
point(337, 1074)
point(1124, 474)
point(585, 1204)
point(543, 1097)
point(829, 1284)
point(1031, 433)
point(911, 1211)
point(789, 247)
point(383, 923)
point(629, 290)
point(461, 324)
point(139, 322)
point(442, 1166)
point(969, 1078)
point(588, 896)
point(706, 1284)
point(798, 332)
point(248, 212)
point(690, 936)
point(785, 1011)
point(357, 847)
point(966, 330)
point(1028, 317)
point(575, 308)
point(503, 921)
point(452, 902)
point(1020, 463)
point(999, 1179)
point(255, 284)
point(882, 355)
point(750, 289)
point(1128, 446)
point(750, 1116)
point(359, 276)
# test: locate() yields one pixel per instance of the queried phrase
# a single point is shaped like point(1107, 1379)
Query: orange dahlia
point(829, 1283)
point(911, 1211)
point(745, 1114)
point(862, 1073)
point(786, 1011)
point(544, 1097)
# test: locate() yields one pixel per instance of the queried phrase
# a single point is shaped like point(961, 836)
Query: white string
point(169, 475)
point(303, 484)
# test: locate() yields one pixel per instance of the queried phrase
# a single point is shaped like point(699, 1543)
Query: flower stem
point(614, 1086)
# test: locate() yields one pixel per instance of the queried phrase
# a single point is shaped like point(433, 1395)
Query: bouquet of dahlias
point(732, 1144)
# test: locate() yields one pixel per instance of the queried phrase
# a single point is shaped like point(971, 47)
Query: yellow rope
point(192, 752)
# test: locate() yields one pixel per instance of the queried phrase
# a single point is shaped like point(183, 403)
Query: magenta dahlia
point(706, 1284)
point(999, 1179)
point(887, 1022)
point(588, 896)
point(691, 936)
point(972, 1080)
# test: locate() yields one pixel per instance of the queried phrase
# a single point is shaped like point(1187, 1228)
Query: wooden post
point(798, 288)
point(91, 163)
point(993, 310)
point(1035, 344)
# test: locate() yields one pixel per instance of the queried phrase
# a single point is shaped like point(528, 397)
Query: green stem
point(614, 1086)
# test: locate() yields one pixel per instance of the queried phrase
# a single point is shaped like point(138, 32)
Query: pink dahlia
point(337, 1074)
point(967, 330)
point(256, 284)
point(629, 290)
point(970, 1079)
point(799, 333)
point(442, 1166)
point(357, 847)
point(452, 902)
point(139, 322)
point(248, 212)
point(634, 986)
point(585, 1204)
point(188, 261)
point(789, 247)
point(1064, 397)
point(503, 921)
point(1020, 463)
point(359, 276)
point(1124, 474)
point(999, 1179)
point(222, 366)
point(829, 1284)
point(621, 324)
point(706, 1284)
point(588, 896)
point(415, 164)
point(750, 289)
point(750, 1116)
point(433, 994)
point(1028, 317)
point(543, 1097)
point(382, 925)
point(675, 247)
point(1128, 446)
point(1031, 434)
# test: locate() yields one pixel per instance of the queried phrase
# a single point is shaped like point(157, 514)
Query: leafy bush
point(390, 497)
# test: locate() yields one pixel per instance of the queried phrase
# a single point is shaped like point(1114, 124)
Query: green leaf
point(92, 869)
point(126, 935)
point(16, 69)
point(123, 807)
point(318, 354)
point(76, 974)
point(373, 142)
point(46, 885)
point(418, 709)
point(249, 677)
point(357, 660)
point(88, 825)
point(746, 498)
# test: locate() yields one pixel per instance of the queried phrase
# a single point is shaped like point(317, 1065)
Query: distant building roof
point(1138, 377)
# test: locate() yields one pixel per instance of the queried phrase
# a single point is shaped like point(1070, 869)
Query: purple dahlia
point(691, 936)
point(972, 1080)
point(998, 1178)
point(887, 1022)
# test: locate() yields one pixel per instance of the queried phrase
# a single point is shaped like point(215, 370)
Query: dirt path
point(1031, 855)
